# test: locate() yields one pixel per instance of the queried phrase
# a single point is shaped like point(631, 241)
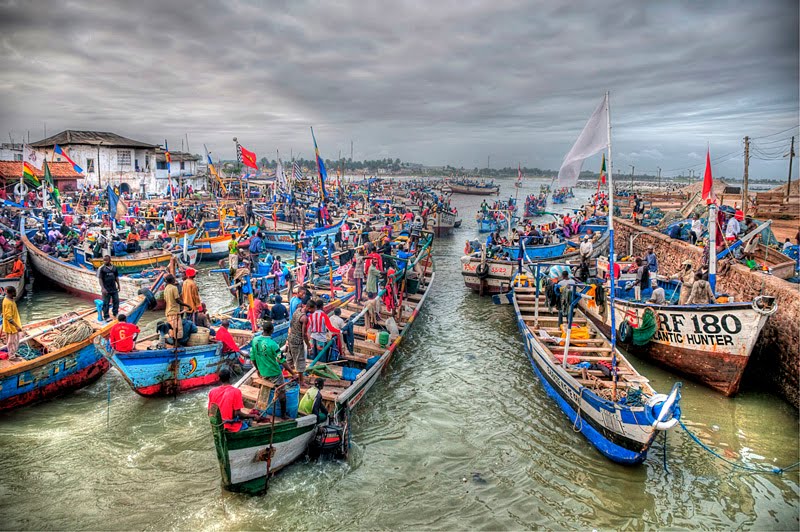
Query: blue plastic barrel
point(292, 402)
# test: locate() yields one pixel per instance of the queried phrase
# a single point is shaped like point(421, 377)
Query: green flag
point(50, 186)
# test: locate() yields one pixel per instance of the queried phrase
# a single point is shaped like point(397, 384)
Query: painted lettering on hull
point(39, 375)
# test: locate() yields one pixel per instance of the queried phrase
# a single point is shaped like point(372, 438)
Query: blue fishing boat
point(540, 252)
point(60, 353)
point(286, 240)
point(601, 393)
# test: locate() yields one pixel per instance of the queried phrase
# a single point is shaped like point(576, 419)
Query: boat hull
point(474, 191)
point(685, 343)
point(442, 224)
point(213, 248)
point(167, 372)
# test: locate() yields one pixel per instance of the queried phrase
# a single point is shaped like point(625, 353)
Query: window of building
point(182, 163)
point(17, 156)
point(161, 165)
point(90, 165)
point(123, 158)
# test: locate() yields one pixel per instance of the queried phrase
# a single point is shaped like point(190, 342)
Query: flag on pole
point(708, 182)
point(519, 175)
point(33, 159)
point(297, 174)
point(116, 206)
point(213, 170)
point(280, 176)
point(602, 179)
point(168, 158)
point(60, 151)
point(246, 157)
point(50, 187)
point(323, 174)
point(592, 140)
point(29, 175)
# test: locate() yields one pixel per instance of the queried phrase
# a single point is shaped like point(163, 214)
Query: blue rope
point(776, 470)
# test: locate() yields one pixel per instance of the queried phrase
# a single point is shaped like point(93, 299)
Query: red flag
point(708, 183)
point(248, 158)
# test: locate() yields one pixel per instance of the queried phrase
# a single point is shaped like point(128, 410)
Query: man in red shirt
point(123, 334)
point(228, 399)
point(224, 336)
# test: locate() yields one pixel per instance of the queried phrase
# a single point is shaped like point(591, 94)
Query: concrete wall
point(776, 357)
point(110, 168)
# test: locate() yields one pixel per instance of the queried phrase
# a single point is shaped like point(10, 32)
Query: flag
point(280, 176)
point(51, 187)
point(297, 174)
point(323, 175)
point(246, 157)
point(708, 182)
point(33, 159)
point(213, 170)
point(602, 179)
point(59, 151)
point(593, 139)
point(116, 206)
point(29, 175)
point(519, 175)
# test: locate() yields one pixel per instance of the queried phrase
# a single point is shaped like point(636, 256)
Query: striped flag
point(29, 175)
point(50, 185)
point(60, 151)
point(323, 174)
point(297, 174)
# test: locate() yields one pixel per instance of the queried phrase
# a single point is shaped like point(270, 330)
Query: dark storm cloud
point(434, 82)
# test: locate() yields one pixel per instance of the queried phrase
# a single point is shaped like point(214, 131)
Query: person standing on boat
point(372, 280)
point(701, 293)
point(642, 278)
point(12, 324)
point(319, 324)
point(269, 362)
point(190, 293)
point(172, 312)
point(686, 277)
point(358, 274)
point(108, 275)
point(297, 342)
point(228, 399)
point(652, 260)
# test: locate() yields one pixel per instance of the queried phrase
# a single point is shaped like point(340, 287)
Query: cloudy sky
point(436, 82)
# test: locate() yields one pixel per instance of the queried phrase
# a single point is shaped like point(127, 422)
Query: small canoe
point(146, 260)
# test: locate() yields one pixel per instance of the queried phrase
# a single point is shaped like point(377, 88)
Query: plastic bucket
point(371, 336)
point(383, 338)
point(292, 402)
point(412, 285)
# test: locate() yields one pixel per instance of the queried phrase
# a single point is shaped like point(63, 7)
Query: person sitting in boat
point(123, 335)
point(132, 241)
point(658, 296)
point(701, 293)
point(40, 237)
point(62, 249)
point(201, 318)
point(18, 270)
point(278, 312)
point(312, 404)
point(733, 228)
point(228, 399)
point(223, 336)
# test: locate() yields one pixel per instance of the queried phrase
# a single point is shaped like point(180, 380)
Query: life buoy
point(624, 332)
point(482, 271)
point(149, 297)
point(666, 416)
point(20, 189)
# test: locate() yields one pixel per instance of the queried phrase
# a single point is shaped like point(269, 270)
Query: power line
point(778, 133)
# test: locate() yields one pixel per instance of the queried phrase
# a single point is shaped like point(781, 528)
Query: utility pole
point(789, 183)
point(487, 162)
point(746, 176)
point(632, 168)
point(659, 177)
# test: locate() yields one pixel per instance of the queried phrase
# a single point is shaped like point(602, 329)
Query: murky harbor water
point(457, 435)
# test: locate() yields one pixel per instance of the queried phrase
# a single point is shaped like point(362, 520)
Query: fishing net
point(77, 332)
point(648, 325)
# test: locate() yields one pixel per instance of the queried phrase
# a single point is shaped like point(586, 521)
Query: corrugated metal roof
point(71, 136)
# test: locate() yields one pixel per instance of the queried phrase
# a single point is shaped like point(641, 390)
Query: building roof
point(176, 156)
point(13, 170)
point(71, 136)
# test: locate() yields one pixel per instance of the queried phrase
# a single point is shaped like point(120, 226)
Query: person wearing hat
point(652, 260)
point(686, 277)
point(190, 293)
point(658, 296)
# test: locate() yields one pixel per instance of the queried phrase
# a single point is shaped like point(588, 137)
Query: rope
point(74, 333)
point(735, 465)
point(575, 426)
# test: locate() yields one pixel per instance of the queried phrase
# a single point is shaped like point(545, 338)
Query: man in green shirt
point(269, 361)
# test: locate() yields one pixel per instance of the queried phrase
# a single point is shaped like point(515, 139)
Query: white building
point(184, 170)
point(10, 152)
point(106, 158)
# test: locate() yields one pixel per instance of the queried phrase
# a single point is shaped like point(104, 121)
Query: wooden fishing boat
point(442, 223)
point(213, 247)
point(286, 240)
point(493, 276)
point(58, 368)
point(145, 260)
point(476, 189)
point(6, 268)
point(78, 280)
point(621, 417)
point(707, 343)
point(247, 458)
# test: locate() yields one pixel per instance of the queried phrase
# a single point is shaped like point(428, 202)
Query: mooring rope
point(735, 465)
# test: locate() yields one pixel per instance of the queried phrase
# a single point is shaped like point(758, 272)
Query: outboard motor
point(329, 441)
